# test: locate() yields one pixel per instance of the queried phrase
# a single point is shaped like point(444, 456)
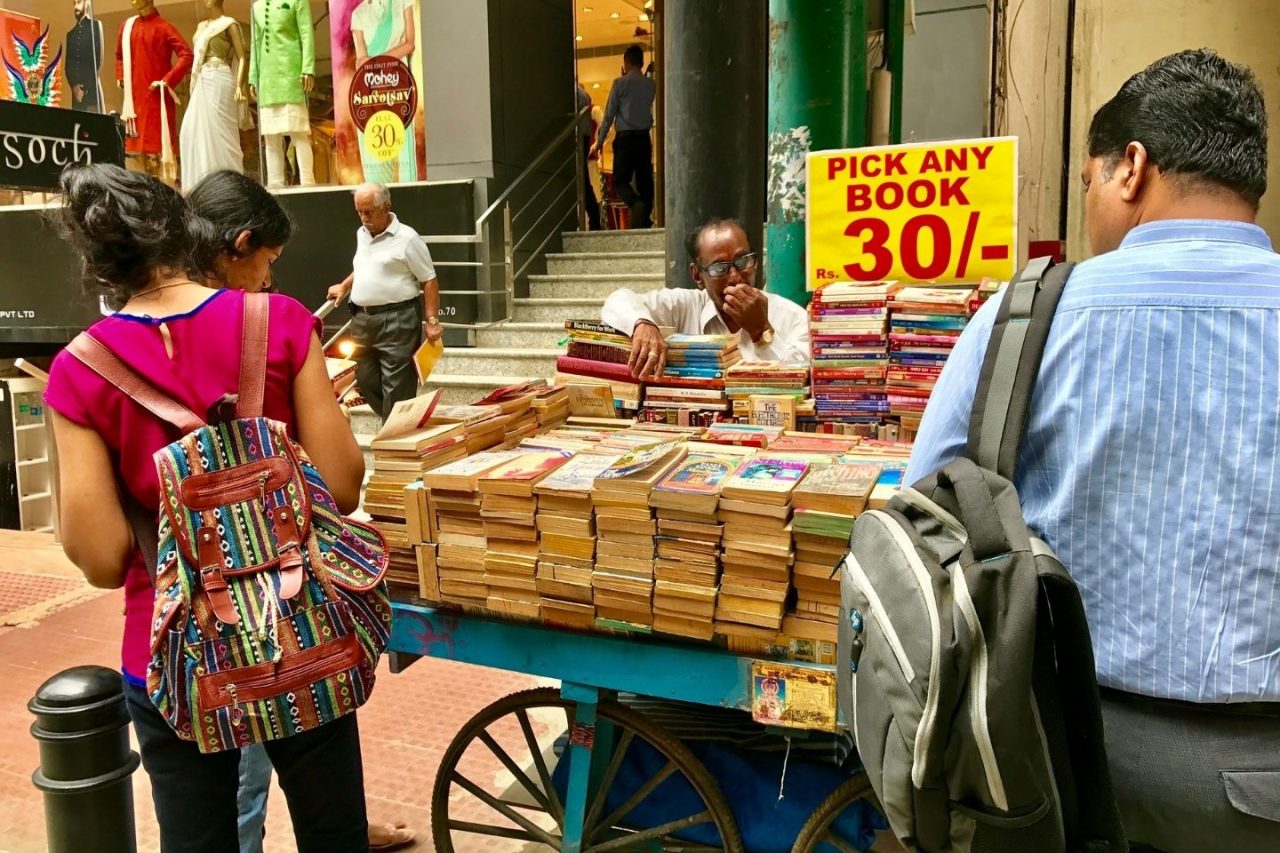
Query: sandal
point(386, 837)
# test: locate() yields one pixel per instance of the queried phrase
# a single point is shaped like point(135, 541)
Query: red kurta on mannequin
point(158, 53)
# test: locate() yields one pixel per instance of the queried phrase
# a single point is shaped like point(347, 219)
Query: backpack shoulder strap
point(253, 355)
point(1012, 364)
point(94, 354)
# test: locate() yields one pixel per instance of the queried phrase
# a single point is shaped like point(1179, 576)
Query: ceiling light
point(587, 9)
point(614, 15)
point(595, 85)
point(577, 38)
point(644, 16)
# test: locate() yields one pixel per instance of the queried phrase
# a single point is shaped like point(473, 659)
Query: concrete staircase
point(593, 265)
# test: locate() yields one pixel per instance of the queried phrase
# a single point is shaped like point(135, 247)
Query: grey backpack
point(965, 668)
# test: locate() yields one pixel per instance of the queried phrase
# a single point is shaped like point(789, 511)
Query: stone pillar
point(716, 62)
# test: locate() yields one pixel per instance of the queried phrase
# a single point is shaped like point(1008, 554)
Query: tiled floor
point(405, 727)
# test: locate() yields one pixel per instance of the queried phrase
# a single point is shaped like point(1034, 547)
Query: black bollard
point(85, 761)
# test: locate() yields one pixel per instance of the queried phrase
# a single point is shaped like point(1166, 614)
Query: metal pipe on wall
point(716, 64)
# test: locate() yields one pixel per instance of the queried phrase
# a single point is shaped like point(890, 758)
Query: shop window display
point(293, 92)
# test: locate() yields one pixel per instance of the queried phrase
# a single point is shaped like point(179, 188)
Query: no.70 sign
point(934, 212)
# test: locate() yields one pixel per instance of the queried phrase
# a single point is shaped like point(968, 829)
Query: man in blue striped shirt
point(1151, 462)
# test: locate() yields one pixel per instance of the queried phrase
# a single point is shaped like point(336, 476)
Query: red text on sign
point(918, 258)
point(917, 194)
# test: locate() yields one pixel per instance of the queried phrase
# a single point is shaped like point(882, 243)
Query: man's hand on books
point(748, 306)
point(648, 351)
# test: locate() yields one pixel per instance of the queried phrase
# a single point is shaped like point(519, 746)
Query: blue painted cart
point(584, 803)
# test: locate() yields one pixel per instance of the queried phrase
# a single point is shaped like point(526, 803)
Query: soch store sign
point(936, 212)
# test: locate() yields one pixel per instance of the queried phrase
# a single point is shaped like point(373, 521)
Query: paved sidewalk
point(50, 620)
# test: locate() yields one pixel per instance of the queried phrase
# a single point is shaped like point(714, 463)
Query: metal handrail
point(529, 170)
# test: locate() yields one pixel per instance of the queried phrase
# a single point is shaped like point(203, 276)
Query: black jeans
point(385, 373)
point(195, 794)
point(633, 161)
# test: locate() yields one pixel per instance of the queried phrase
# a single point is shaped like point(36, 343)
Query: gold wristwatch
point(766, 337)
point(432, 321)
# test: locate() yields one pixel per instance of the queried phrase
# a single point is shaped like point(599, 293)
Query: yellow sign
point(385, 135)
point(935, 212)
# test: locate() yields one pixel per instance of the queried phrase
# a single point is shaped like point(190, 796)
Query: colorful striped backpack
point(271, 610)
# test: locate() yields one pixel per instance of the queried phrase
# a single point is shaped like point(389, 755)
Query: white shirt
point(391, 267)
point(691, 312)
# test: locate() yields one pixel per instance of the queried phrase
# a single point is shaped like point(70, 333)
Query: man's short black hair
point(1200, 118)
point(695, 236)
point(633, 57)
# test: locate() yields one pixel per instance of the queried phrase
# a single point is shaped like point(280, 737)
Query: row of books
point(879, 348)
point(647, 528)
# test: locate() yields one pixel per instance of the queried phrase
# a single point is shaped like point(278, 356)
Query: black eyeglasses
point(720, 269)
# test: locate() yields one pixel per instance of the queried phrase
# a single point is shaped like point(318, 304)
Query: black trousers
point(633, 164)
point(593, 206)
point(386, 343)
point(1194, 778)
point(320, 773)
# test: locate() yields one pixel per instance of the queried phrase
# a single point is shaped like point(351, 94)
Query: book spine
point(588, 326)
point(595, 369)
point(598, 352)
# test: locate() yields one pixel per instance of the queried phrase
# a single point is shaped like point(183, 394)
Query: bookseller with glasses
point(728, 301)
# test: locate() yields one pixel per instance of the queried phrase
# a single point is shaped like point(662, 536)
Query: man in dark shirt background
point(631, 107)
point(84, 59)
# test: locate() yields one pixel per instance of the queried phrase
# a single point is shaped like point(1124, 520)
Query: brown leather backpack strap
point(253, 355)
point(94, 354)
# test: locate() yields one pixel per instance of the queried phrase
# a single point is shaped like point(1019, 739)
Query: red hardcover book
point(597, 369)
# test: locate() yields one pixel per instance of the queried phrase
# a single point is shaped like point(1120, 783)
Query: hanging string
point(782, 783)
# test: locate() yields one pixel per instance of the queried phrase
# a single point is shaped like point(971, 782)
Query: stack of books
point(985, 290)
point(457, 528)
point(924, 324)
point(687, 567)
point(484, 426)
point(848, 331)
point(701, 356)
point(551, 407)
point(516, 404)
point(567, 540)
point(813, 443)
point(595, 341)
point(826, 503)
point(743, 435)
point(398, 463)
point(680, 401)
point(622, 579)
point(590, 340)
point(508, 510)
point(755, 508)
point(770, 378)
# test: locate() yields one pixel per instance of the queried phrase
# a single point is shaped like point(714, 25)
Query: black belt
point(382, 309)
point(1237, 709)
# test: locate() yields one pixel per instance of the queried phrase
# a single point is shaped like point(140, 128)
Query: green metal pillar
point(817, 101)
point(895, 50)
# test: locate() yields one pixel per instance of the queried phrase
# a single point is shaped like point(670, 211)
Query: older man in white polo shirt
point(392, 267)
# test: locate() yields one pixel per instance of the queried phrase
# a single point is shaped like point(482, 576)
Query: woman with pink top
point(139, 244)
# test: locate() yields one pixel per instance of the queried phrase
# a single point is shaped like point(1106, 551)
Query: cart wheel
point(466, 805)
point(817, 836)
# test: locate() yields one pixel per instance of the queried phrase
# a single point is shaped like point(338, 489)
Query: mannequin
point(152, 59)
point(386, 28)
point(85, 49)
point(210, 138)
point(282, 67)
